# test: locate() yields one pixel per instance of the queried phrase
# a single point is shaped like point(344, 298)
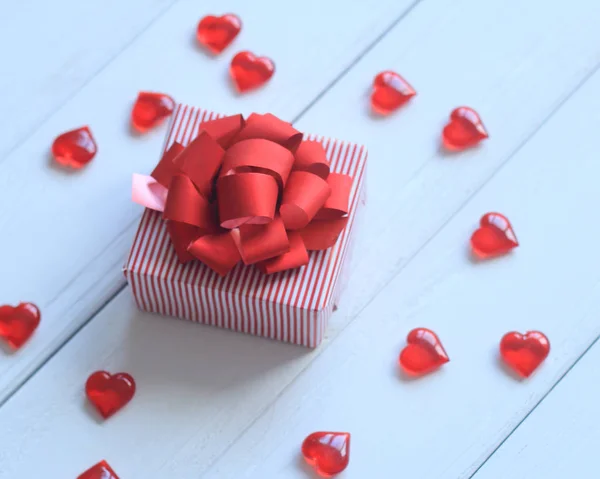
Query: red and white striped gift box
point(292, 306)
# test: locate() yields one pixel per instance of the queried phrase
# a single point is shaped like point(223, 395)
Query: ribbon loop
point(336, 205)
point(297, 256)
point(260, 242)
point(201, 161)
point(148, 192)
point(164, 171)
point(311, 157)
point(224, 130)
point(259, 155)
point(182, 235)
point(303, 196)
point(270, 128)
point(246, 198)
point(320, 235)
point(185, 204)
point(218, 251)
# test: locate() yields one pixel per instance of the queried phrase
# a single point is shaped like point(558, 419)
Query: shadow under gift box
point(292, 306)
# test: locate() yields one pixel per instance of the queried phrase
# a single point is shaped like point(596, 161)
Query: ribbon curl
point(247, 190)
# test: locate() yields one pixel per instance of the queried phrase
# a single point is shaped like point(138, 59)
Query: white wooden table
point(214, 404)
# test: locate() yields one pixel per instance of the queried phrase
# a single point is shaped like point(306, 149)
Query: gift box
point(248, 225)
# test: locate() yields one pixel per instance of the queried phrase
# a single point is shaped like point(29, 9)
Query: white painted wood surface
point(51, 50)
point(560, 438)
point(215, 404)
point(445, 425)
point(77, 227)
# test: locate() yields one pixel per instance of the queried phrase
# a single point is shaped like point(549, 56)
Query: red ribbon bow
point(251, 190)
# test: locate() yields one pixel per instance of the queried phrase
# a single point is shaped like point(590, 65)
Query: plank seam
point(35, 370)
point(353, 63)
point(544, 396)
point(484, 182)
point(33, 130)
point(320, 350)
point(318, 97)
point(122, 285)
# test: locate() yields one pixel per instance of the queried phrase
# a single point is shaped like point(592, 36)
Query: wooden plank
point(453, 53)
point(447, 424)
point(175, 365)
point(560, 437)
point(50, 50)
point(200, 388)
point(77, 228)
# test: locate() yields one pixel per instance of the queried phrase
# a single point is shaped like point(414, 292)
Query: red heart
point(424, 352)
point(17, 324)
point(75, 148)
point(327, 452)
point(102, 470)
point(150, 110)
point(494, 237)
point(216, 33)
point(524, 352)
point(109, 393)
point(249, 72)
point(390, 91)
point(464, 130)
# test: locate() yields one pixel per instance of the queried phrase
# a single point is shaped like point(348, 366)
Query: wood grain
point(447, 424)
point(50, 50)
point(199, 388)
point(76, 228)
point(560, 438)
point(414, 188)
point(216, 404)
